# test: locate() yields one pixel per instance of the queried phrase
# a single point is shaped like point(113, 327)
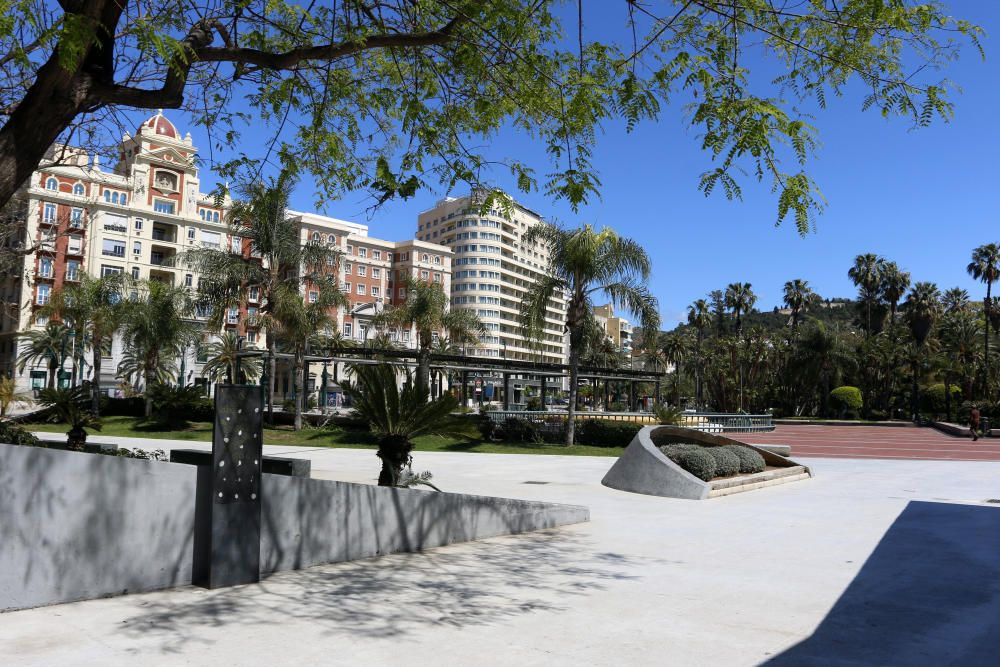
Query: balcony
point(162, 256)
point(114, 252)
point(166, 233)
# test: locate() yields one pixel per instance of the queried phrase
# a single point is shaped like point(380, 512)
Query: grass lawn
point(465, 438)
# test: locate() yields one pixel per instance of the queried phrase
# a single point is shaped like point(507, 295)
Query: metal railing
point(710, 422)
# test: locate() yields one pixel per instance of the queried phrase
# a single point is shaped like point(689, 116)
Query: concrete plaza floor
point(883, 562)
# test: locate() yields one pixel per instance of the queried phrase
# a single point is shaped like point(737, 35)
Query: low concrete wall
point(76, 526)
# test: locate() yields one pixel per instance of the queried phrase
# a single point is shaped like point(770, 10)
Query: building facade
point(139, 217)
point(618, 329)
point(492, 270)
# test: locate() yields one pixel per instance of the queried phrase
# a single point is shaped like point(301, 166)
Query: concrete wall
point(76, 526)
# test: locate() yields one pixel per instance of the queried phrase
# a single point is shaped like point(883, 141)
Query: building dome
point(159, 124)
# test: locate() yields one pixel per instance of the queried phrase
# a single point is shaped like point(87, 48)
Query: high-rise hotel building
point(492, 270)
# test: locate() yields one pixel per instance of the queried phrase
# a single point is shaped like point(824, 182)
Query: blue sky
point(923, 198)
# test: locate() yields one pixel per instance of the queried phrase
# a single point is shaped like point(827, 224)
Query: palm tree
point(699, 317)
point(157, 326)
point(985, 267)
point(894, 285)
point(922, 308)
point(395, 415)
point(93, 308)
point(822, 353)
point(426, 309)
point(866, 274)
point(674, 349)
point(47, 346)
point(222, 360)
point(797, 296)
point(584, 262)
point(718, 299)
point(955, 300)
point(959, 336)
point(275, 261)
point(297, 322)
point(740, 299)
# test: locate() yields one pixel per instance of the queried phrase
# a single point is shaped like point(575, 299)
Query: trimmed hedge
point(846, 399)
point(750, 461)
point(727, 463)
point(693, 458)
point(605, 433)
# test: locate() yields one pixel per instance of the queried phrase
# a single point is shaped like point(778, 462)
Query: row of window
point(489, 261)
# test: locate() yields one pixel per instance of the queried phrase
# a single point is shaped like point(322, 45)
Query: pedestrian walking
point(974, 423)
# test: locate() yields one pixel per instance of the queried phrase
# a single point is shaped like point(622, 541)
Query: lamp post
point(323, 389)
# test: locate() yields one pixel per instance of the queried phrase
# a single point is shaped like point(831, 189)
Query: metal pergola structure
point(466, 365)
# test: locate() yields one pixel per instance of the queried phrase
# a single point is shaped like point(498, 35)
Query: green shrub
point(847, 400)
point(179, 405)
point(134, 406)
point(667, 415)
point(617, 406)
point(750, 461)
point(12, 434)
point(605, 433)
point(515, 429)
point(932, 399)
point(726, 461)
point(534, 404)
point(698, 462)
point(288, 405)
point(662, 436)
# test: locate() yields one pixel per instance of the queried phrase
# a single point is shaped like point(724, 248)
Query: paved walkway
point(875, 562)
point(877, 442)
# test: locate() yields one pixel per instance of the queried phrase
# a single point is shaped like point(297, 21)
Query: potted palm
point(396, 414)
point(71, 407)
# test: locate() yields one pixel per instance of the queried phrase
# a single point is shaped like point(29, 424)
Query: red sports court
point(876, 442)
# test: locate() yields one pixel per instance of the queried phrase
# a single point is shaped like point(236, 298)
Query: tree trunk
point(52, 376)
point(272, 368)
point(574, 372)
point(148, 380)
point(300, 387)
point(914, 390)
point(947, 397)
point(395, 453)
point(423, 367)
point(95, 384)
point(987, 307)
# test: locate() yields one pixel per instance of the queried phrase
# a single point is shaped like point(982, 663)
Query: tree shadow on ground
point(928, 595)
point(392, 596)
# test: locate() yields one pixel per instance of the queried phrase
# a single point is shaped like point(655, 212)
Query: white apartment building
point(492, 270)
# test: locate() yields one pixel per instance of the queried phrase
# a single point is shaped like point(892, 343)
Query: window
point(236, 244)
point(363, 331)
point(215, 216)
point(375, 291)
point(188, 280)
point(135, 273)
point(72, 270)
point(233, 316)
point(362, 252)
point(376, 273)
point(350, 250)
point(362, 270)
point(348, 268)
point(424, 258)
point(136, 248)
point(316, 237)
point(75, 244)
point(45, 267)
point(41, 321)
point(191, 233)
point(49, 213)
point(164, 206)
point(211, 239)
point(437, 278)
point(78, 189)
point(376, 254)
point(76, 217)
point(347, 288)
point(424, 275)
point(52, 184)
point(254, 293)
point(113, 248)
point(331, 239)
point(110, 270)
point(43, 294)
point(402, 292)
point(361, 290)
point(348, 329)
point(313, 296)
point(138, 224)
point(251, 337)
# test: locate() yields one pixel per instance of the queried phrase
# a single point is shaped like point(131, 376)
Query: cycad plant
point(395, 414)
point(585, 262)
point(71, 407)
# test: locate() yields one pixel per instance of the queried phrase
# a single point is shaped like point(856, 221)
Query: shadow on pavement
point(392, 596)
point(928, 595)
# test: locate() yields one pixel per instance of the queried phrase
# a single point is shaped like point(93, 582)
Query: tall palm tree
point(699, 317)
point(674, 349)
point(895, 282)
point(797, 296)
point(93, 308)
point(278, 259)
point(157, 325)
point(47, 346)
point(821, 353)
point(955, 300)
point(297, 322)
point(866, 274)
point(921, 309)
point(740, 299)
point(959, 334)
point(985, 267)
point(584, 262)
point(426, 309)
point(222, 360)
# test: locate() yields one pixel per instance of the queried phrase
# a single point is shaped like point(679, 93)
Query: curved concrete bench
point(643, 468)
